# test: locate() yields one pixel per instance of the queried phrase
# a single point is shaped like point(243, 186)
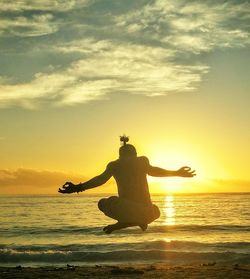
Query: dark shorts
point(126, 211)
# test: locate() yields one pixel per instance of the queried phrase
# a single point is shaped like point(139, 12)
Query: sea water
point(67, 229)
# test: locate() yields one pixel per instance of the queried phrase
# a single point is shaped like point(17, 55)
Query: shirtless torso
point(130, 175)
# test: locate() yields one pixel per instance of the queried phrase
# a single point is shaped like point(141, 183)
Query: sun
point(172, 160)
point(167, 184)
point(172, 155)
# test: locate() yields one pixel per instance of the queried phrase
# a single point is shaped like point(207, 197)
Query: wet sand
point(207, 270)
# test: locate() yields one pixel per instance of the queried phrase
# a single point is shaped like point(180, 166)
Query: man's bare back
point(130, 175)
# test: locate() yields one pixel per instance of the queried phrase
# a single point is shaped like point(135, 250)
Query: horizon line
point(103, 194)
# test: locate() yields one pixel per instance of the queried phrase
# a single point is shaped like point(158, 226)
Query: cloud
point(27, 181)
point(130, 68)
point(231, 185)
point(37, 25)
point(210, 185)
point(35, 182)
point(192, 26)
point(32, 18)
point(27, 94)
point(107, 68)
point(142, 48)
point(34, 5)
point(31, 181)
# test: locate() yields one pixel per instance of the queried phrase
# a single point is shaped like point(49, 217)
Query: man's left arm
point(96, 181)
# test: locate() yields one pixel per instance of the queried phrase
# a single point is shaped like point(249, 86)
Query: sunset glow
point(76, 75)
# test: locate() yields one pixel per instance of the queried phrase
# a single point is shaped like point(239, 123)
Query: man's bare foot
point(110, 228)
point(117, 226)
point(143, 227)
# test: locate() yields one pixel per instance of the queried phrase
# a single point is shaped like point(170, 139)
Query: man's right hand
point(186, 172)
point(68, 188)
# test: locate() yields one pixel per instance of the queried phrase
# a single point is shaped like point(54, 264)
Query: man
point(133, 206)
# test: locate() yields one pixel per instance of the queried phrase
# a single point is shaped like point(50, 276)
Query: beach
point(206, 271)
point(197, 236)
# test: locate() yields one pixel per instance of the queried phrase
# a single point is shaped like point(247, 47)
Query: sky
point(173, 75)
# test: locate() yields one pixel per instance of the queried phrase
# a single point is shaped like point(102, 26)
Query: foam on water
point(59, 230)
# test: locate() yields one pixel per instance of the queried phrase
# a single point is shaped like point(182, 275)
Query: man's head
point(127, 150)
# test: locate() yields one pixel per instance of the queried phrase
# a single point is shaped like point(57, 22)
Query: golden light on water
point(169, 210)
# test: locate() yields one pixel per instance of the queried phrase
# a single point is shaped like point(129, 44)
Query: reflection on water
point(169, 211)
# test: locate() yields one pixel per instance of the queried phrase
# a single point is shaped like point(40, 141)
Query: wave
point(98, 230)
point(12, 256)
point(173, 251)
point(43, 230)
point(198, 228)
point(146, 245)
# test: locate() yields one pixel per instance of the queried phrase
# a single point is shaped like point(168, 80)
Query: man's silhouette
point(133, 206)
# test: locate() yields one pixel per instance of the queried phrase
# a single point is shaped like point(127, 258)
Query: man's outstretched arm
point(159, 172)
point(69, 187)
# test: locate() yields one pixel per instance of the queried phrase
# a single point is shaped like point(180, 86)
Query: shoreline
point(157, 270)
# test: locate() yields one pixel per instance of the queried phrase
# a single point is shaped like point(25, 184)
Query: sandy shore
point(209, 270)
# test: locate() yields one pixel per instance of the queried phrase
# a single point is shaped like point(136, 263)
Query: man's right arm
point(160, 172)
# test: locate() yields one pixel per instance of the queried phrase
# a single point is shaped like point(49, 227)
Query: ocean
point(67, 229)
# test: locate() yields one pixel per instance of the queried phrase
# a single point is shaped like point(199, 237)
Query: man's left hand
point(68, 188)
